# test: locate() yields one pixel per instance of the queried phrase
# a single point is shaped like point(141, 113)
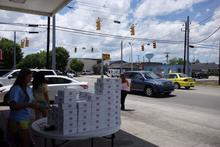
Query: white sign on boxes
point(81, 112)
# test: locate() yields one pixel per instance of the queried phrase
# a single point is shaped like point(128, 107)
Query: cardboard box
point(67, 115)
point(61, 100)
point(66, 124)
point(68, 92)
point(68, 131)
point(97, 97)
point(109, 80)
point(82, 105)
point(84, 126)
point(71, 106)
point(106, 86)
point(85, 95)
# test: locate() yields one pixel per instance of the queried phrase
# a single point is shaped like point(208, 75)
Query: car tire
point(148, 91)
point(176, 85)
point(187, 87)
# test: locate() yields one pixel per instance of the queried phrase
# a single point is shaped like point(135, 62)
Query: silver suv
point(10, 77)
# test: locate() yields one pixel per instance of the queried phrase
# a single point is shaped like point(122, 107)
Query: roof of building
point(39, 7)
point(117, 62)
point(204, 66)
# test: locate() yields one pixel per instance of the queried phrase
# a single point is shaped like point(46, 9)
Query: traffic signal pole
point(48, 42)
point(54, 44)
point(121, 57)
point(14, 63)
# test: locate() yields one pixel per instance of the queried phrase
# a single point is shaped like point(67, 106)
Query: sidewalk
point(122, 139)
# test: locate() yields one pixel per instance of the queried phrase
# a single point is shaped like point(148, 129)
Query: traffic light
point(154, 45)
point(142, 47)
point(22, 43)
point(98, 24)
point(75, 49)
point(132, 29)
point(92, 49)
point(26, 42)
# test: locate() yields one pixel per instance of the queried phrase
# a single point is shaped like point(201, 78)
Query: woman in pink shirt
point(124, 90)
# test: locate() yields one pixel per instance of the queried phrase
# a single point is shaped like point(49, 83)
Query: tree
point(62, 56)
point(36, 60)
point(196, 61)
point(176, 61)
point(7, 47)
point(76, 65)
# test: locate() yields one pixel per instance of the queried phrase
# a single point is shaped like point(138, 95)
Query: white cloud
point(84, 18)
point(162, 7)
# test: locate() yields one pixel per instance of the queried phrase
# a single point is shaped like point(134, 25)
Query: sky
point(158, 20)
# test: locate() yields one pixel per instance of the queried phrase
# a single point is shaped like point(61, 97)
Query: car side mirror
point(10, 77)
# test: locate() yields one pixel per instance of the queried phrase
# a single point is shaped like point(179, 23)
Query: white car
point(55, 83)
point(10, 77)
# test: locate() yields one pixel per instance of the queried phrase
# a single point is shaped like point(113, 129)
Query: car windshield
point(150, 75)
point(182, 75)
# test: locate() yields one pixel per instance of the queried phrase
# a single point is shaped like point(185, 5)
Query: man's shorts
point(15, 126)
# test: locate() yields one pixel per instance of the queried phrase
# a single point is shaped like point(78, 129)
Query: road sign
point(105, 56)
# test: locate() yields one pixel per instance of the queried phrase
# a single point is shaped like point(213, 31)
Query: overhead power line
point(202, 21)
point(209, 35)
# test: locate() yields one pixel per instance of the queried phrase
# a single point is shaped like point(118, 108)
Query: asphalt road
point(188, 118)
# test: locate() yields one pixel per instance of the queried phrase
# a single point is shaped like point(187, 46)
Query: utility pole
point(167, 56)
point(187, 47)
point(184, 57)
point(219, 66)
point(14, 65)
point(138, 58)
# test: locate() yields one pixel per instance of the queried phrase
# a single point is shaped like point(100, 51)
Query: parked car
point(71, 74)
point(9, 78)
point(149, 83)
point(55, 83)
point(181, 80)
point(87, 72)
point(200, 75)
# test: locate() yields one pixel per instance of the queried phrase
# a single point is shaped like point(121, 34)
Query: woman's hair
point(39, 79)
point(123, 79)
point(20, 80)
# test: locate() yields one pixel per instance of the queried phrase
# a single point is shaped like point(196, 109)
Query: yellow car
point(181, 80)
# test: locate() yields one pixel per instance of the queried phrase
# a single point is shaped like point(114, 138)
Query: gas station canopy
point(39, 7)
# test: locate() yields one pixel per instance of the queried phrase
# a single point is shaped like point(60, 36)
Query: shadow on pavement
point(128, 110)
point(156, 96)
point(122, 139)
point(186, 89)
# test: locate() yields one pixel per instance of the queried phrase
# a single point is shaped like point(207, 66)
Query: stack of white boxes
point(106, 104)
point(80, 112)
point(66, 112)
point(84, 116)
